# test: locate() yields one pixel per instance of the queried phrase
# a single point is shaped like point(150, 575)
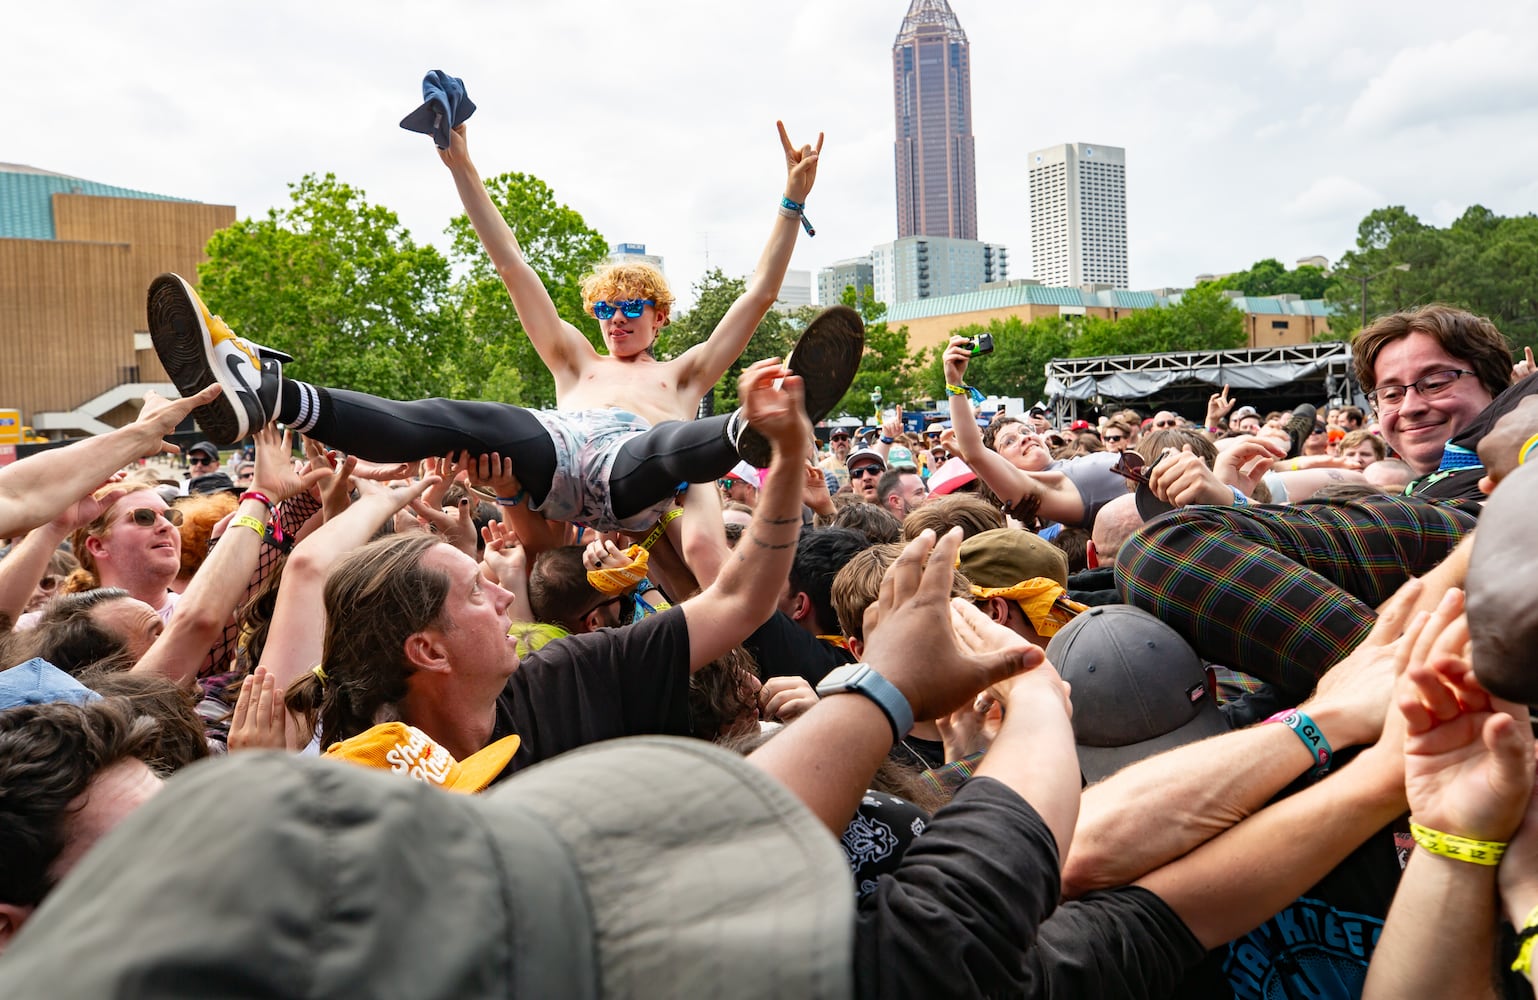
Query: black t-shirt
point(601, 685)
point(782, 648)
point(967, 914)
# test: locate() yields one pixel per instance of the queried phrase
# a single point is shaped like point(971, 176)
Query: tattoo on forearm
point(779, 520)
point(765, 545)
point(1335, 476)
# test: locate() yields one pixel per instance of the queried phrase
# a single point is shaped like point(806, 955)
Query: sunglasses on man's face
point(626, 602)
point(1164, 423)
point(146, 517)
point(202, 460)
point(863, 471)
point(1115, 438)
point(632, 308)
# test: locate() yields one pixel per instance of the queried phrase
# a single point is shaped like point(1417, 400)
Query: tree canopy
point(1270, 277)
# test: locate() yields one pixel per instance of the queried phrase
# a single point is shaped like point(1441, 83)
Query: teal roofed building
point(1269, 321)
point(76, 257)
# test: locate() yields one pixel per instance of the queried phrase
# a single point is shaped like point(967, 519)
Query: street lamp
point(1365, 280)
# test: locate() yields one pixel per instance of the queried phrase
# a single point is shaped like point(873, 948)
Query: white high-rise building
point(922, 267)
point(1079, 215)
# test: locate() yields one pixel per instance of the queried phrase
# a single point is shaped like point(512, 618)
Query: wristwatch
point(862, 678)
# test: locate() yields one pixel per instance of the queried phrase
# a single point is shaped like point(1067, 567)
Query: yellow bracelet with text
point(1475, 852)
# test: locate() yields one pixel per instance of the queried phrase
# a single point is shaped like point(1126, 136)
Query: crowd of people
point(1149, 707)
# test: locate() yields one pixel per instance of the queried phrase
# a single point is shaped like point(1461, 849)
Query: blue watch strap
point(865, 679)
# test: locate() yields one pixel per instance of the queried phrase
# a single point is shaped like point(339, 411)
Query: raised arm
point(743, 595)
point(560, 345)
point(40, 487)
point(298, 630)
point(220, 582)
point(707, 362)
point(1222, 780)
point(1059, 498)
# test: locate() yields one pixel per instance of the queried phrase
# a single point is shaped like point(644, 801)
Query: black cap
point(214, 482)
point(206, 447)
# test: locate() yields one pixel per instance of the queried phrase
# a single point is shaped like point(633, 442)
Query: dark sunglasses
point(626, 602)
point(201, 459)
point(727, 484)
point(1166, 423)
point(632, 308)
point(863, 471)
point(1114, 438)
point(146, 517)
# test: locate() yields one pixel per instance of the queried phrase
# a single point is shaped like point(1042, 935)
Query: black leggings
point(648, 468)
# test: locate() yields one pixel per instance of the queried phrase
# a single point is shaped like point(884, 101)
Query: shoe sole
point(186, 350)
point(826, 357)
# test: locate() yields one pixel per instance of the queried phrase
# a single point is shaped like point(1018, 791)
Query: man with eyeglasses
point(1283, 592)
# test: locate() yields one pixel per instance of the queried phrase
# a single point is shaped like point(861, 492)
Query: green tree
point(1269, 277)
point(887, 363)
point(1017, 366)
point(714, 294)
point(499, 362)
point(338, 283)
point(1203, 320)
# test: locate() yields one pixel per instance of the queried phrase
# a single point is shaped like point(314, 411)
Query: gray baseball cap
point(1137, 688)
point(644, 867)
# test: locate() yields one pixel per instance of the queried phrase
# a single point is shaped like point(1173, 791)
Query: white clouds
point(1482, 73)
point(1253, 130)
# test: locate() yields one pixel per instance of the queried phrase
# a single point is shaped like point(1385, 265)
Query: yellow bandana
point(621, 578)
point(1042, 601)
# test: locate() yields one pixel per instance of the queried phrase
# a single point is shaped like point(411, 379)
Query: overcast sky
point(1252, 129)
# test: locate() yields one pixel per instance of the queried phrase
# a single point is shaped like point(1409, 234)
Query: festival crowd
point(469, 699)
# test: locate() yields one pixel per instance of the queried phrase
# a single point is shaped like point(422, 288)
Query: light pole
point(1365, 280)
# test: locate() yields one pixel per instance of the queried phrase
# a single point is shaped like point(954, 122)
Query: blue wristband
point(1308, 731)
point(1240, 500)
point(800, 210)
point(512, 501)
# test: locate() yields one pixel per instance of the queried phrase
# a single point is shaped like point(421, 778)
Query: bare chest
point(649, 390)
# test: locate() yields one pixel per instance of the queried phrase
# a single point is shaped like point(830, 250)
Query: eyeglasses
point(146, 517)
point(863, 471)
point(727, 484)
point(1164, 423)
point(632, 308)
point(1114, 438)
point(1430, 386)
point(201, 460)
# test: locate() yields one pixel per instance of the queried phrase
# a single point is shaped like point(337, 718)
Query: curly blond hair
point(628, 281)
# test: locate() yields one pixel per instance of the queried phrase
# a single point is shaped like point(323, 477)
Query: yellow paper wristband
point(247, 521)
point(1475, 852)
point(1526, 935)
point(1527, 449)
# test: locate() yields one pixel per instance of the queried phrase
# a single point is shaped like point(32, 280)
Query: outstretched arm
point(706, 363)
point(39, 488)
point(560, 345)
point(1059, 498)
point(743, 594)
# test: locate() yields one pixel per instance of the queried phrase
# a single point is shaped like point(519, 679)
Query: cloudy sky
point(1252, 129)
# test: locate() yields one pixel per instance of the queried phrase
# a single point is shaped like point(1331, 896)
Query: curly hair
point(200, 512)
point(628, 281)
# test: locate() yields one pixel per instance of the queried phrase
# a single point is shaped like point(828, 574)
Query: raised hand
point(160, 416)
point(782, 699)
point(260, 721)
point(800, 165)
point(1183, 478)
point(773, 401)
point(958, 353)
point(1219, 405)
point(275, 475)
point(1468, 756)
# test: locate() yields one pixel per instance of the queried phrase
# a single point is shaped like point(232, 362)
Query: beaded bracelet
point(1447, 845)
point(1307, 730)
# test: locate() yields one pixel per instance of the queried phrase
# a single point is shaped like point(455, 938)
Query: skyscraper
point(1079, 215)
point(932, 98)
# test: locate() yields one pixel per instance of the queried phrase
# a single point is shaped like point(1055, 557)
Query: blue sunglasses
point(632, 308)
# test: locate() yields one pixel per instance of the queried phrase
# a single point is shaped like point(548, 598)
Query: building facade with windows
point(1079, 215)
point(833, 279)
point(76, 260)
point(923, 267)
point(932, 103)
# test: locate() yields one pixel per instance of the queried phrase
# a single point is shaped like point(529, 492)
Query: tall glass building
point(932, 98)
